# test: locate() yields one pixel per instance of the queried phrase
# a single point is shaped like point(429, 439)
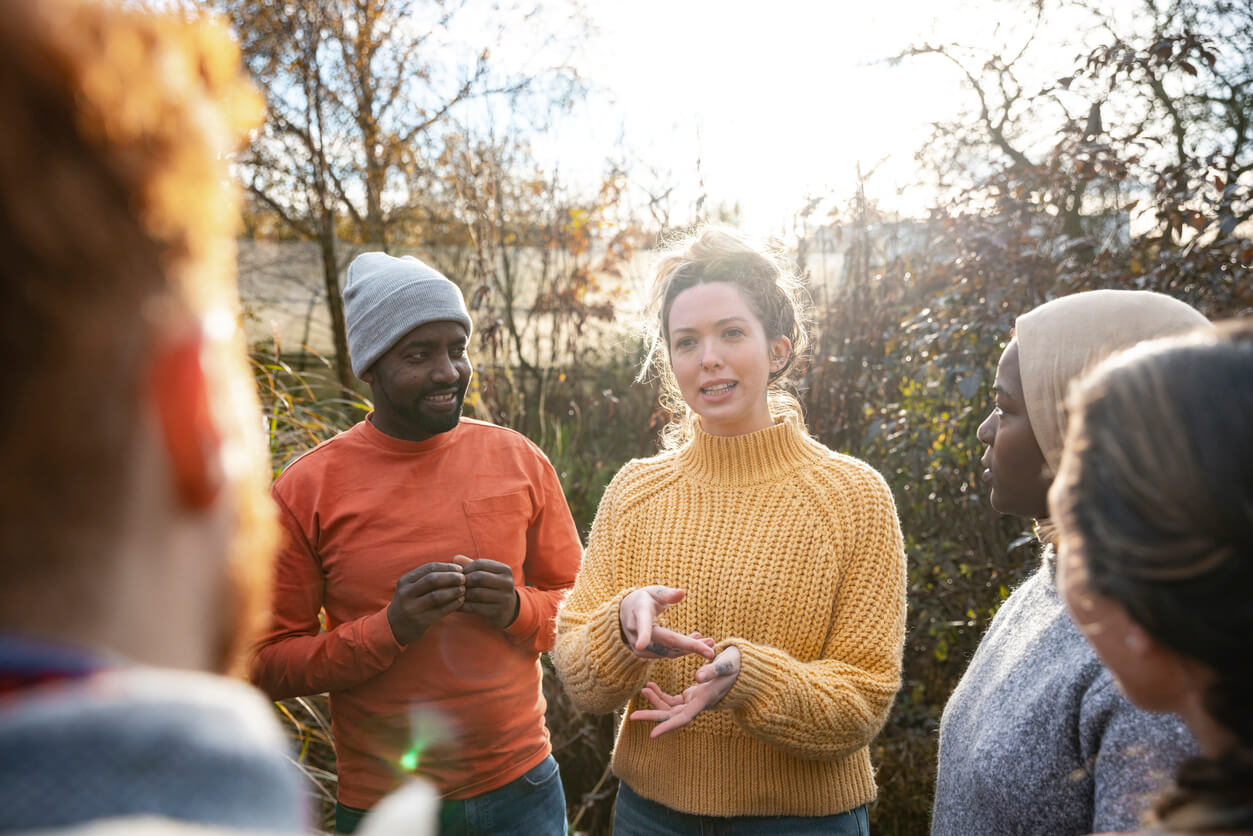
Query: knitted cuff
point(610, 656)
point(756, 673)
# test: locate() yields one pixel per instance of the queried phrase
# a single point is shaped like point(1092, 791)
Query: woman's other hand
point(713, 681)
point(637, 617)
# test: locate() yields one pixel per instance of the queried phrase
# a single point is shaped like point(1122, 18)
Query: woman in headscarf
point(1036, 737)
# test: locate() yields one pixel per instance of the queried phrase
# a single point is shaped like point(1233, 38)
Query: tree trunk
point(335, 301)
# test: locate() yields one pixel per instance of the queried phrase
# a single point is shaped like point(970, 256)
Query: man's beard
point(434, 424)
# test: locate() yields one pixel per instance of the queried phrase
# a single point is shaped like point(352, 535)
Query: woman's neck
point(750, 421)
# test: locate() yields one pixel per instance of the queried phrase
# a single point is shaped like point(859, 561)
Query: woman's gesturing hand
point(637, 616)
point(713, 681)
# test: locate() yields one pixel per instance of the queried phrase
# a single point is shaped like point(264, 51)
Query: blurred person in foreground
point(1036, 738)
point(135, 531)
point(439, 548)
point(1154, 503)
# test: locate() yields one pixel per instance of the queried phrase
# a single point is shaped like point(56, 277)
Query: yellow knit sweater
point(788, 551)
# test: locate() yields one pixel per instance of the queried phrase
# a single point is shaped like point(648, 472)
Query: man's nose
point(444, 370)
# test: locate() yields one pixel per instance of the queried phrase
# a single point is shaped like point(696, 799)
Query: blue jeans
point(532, 804)
point(635, 815)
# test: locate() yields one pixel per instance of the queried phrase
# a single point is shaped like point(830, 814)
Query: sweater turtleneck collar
point(751, 458)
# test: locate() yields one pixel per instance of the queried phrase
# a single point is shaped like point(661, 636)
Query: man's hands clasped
point(430, 592)
point(423, 596)
point(489, 591)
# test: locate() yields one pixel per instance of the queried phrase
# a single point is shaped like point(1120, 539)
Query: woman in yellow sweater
point(743, 591)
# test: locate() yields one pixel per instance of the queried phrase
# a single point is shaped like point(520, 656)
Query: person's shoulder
point(199, 729)
point(844, 472)
point(1109, 708)
point(474, 428)
point(504, 444)
point(648, 468)
point(198, 692)
point(834, 461)
point(485, 433)
point(641, 478)
point(311, 463)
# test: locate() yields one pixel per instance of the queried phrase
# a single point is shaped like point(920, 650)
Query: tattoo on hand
point(723, 668)
point(659, 649)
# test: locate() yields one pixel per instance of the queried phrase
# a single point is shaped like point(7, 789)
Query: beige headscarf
point(1061, 339)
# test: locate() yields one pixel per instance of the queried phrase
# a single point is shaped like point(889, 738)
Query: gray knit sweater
point(1037, 738)
point(157, 748)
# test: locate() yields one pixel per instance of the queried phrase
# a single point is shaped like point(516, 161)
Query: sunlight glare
point(777, 101)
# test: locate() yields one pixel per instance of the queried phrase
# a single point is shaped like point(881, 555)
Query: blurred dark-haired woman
point(1154, 503)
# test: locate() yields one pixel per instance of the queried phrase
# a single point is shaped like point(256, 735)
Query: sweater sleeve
point(598, 670)
point(1132, 754)
point(294, 657)
point(552, 560)
point(830, 707)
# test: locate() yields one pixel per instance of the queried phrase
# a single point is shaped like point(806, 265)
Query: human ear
point(188, 434)
point(780, 353)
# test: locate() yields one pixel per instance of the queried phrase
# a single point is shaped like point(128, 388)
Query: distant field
point(282, 290)
point(281, 286)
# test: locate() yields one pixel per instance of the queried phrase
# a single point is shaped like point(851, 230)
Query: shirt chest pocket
point(498, 525)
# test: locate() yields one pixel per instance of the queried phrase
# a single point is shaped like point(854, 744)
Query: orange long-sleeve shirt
point(359, 511)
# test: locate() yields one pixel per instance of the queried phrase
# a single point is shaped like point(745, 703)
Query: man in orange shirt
point(439, 548)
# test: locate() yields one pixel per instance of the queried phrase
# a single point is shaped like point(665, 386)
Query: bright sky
point(778, 99)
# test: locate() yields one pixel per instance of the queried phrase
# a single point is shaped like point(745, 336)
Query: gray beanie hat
point(387, 297)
